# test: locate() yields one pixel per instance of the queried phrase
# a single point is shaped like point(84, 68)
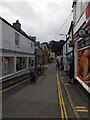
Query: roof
point(20, 31)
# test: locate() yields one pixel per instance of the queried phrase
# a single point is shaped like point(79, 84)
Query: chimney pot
point(17, 25)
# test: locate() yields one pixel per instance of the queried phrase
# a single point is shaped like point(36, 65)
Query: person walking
point(32, 73)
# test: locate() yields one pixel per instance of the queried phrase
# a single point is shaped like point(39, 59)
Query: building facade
point(81, 18)
point(68, 50)
point(16, 50)
point(38, 54)
point(45, 53)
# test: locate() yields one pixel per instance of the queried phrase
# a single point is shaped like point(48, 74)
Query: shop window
point(7, 65)
point(69, 57)
point(84, 42)
point(18, 63)
point(17, 39)
point(87, 41)
point(21, 63)
point(80, 44)
point(24, 62)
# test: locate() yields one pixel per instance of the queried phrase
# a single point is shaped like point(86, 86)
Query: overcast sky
point(40, 18)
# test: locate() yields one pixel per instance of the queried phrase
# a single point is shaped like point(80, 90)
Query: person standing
point(71, 73)
point(32, 73)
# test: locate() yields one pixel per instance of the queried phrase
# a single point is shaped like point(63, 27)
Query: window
point(17, 37)
point(18, 63)
point(70, 56)
point(21, 63)
point(29, 62)
point(7, 65)
point(84, 42)
point(24, 62)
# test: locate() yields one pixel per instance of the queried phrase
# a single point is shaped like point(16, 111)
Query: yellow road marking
point(80, 110)
point(83, 107)
point(60, 97)
point(13, 86)
point(62, 104)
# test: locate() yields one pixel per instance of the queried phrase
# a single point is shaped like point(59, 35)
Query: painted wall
point(10, 50)
point(79, 15)
point(8, 37)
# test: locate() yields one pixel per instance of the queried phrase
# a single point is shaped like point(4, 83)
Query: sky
point(45, 19)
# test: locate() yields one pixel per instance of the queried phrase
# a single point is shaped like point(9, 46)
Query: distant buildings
point(38, 54)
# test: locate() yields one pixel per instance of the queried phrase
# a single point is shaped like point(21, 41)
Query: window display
point(7, 63)
point(21, 63)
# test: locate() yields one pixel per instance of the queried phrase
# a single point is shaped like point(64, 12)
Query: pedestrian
point(32, 73)
point(71, 73)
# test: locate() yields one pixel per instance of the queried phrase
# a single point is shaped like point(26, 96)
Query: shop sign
point(71, 43)
point(82, 33)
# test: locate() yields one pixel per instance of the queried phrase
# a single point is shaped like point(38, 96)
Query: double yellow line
point(61, 101)
point(13, 86)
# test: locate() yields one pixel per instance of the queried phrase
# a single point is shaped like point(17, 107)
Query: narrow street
point(45, 59)
point(36, 100)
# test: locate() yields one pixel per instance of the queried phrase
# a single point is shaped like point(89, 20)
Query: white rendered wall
point(8, 37)
point(80, 16)
point(9, 49)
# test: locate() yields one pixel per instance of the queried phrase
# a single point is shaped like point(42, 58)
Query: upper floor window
point(17, 39)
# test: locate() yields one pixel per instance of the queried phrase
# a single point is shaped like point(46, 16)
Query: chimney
point(17, 25)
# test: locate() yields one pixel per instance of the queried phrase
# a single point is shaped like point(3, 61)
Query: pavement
point(77, 95)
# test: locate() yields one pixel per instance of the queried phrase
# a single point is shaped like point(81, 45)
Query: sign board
point(82, 33)
point(71, 43)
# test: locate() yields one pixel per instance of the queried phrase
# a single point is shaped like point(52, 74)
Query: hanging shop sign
point(71, 43)
point(82, 33)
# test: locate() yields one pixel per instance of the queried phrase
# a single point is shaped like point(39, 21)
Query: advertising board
point(83, 66)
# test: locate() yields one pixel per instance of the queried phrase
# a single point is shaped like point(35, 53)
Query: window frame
point(17, 39)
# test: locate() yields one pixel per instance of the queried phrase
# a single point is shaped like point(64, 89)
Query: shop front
point(83, 60)
point(82, 50)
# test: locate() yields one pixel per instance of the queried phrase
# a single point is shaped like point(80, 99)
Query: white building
point(81, 17)
point(64, 57)
point(68, 51)
point(16, 50)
